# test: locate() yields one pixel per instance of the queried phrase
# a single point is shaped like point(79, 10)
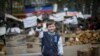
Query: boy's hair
point(50, 22)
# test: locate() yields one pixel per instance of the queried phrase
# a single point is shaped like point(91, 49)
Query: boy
point(51, 41)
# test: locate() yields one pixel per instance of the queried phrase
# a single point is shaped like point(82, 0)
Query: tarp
point(2, 30)
point(30, 21)
point(12, 17)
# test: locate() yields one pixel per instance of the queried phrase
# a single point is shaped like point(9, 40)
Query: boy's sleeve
point(41, 34)
point(60, 47)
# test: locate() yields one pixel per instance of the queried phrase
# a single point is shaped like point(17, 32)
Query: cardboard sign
point(30, 21)
point(58, 16)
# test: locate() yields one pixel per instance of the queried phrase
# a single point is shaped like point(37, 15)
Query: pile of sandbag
point(89, 36)
point(84, 37)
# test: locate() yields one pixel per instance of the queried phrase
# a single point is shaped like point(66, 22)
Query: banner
point(42, 9)
point(30, 21)
point(58, 16)
point(77, 14)
point(72, 13)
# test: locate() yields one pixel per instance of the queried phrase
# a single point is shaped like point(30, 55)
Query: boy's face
point(51, 28)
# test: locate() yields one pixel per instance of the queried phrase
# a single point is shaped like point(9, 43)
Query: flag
point(46, 8)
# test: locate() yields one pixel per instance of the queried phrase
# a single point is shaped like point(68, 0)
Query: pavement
point(35, 50)
point(68, 50)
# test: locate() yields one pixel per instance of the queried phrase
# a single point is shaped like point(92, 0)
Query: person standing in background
point(14, 29)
